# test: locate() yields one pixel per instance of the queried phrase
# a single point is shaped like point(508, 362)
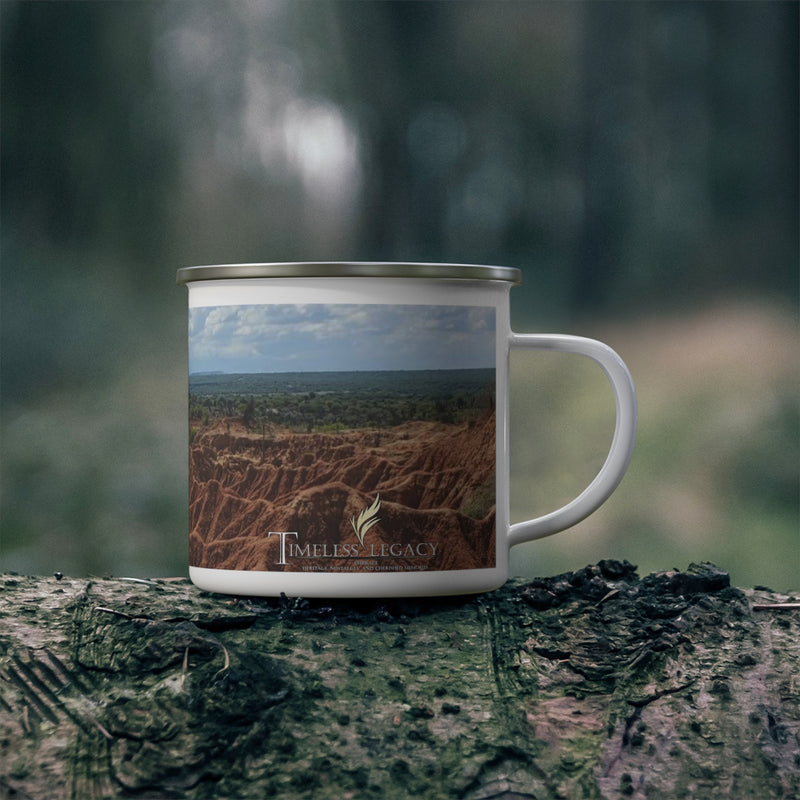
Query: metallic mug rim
point(349, 269)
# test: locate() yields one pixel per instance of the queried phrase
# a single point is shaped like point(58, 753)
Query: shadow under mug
point(348, 427)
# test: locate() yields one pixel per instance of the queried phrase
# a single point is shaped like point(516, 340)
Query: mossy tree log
point(592, 684)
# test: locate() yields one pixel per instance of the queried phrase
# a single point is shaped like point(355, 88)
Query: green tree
point(248, 413)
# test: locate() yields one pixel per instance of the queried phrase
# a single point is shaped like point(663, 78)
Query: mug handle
point(619, 455)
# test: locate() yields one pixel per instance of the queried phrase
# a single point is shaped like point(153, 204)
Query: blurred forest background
point(637, 160)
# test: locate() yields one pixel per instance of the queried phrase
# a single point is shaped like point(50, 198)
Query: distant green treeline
point(326, 401)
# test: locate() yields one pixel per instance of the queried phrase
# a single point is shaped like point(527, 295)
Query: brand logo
point(366, 519)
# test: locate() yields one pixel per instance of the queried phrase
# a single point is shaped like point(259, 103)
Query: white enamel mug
point(349, 433)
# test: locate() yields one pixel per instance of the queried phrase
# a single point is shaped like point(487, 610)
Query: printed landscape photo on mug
point(358, 437)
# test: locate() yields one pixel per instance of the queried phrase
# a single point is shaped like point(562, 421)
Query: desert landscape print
point(372, 450)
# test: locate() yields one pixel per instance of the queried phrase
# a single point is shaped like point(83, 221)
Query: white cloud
point(340, 337)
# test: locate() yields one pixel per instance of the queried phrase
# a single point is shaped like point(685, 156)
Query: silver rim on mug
point(350, 269)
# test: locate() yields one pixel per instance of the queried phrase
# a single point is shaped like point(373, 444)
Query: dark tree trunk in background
point(610, 87)
point(394, 50)
point(590, 684)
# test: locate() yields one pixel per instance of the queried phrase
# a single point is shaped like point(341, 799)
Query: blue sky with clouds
point(332, 338)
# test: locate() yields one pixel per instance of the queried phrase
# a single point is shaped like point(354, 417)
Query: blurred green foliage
point(635, 160)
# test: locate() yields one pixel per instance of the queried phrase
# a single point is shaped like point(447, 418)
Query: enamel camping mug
point(348, 427)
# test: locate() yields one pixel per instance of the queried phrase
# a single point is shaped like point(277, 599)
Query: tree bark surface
point(595, 684)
